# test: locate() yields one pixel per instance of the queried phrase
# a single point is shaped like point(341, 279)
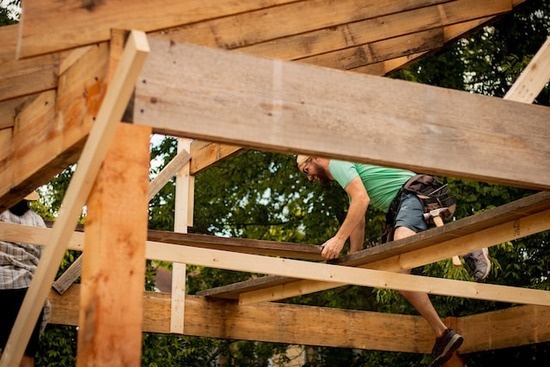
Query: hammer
point(435, 216)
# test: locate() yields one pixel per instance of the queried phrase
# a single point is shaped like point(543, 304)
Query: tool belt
point(431, 192)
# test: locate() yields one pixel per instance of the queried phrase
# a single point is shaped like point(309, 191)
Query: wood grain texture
point(111, 311)
point(192, 91)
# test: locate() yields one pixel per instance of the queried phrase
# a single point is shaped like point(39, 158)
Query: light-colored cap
point(32, 196)
point(301, 159)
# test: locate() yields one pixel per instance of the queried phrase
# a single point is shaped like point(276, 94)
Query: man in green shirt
point(376, 186)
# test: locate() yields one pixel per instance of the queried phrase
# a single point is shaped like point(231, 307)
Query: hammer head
point(436, 213)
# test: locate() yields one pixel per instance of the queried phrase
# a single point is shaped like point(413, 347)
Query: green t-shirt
point(381, 183)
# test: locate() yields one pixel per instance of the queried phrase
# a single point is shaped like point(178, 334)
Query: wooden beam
point(111, 110)
point(312, 325)
point(450, 34)
point(508, 222)
point(39, 236)
point(505, 223)
point(352, 34)
point(116, 232)
point(168, 172)
point(301, 18)
point(271, 322)
point(87, 23)
point(485, 142)
point(204, 154)
point(474, 241)
point(54, 146)
point(183, 217)
point(535, 76)
point(316, 271)
point(374, 52)
point(341, 275)
point(491, 330)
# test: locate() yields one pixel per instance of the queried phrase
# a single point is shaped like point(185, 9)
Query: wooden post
point(183, 216)
point(113, 270)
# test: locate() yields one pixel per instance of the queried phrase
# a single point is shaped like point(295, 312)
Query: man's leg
point(420, 301)
point(409, 221)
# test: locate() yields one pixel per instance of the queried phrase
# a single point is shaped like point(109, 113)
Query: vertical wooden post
point(113, 270)
point(183, 217)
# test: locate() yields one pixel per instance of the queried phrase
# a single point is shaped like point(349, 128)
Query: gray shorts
point(410, 213)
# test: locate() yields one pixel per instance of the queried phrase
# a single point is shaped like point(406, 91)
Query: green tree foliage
point(8, 13)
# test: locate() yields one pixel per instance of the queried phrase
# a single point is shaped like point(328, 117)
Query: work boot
point(444, 347)
point(478, 263)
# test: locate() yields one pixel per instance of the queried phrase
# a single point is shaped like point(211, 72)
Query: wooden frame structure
point(64, 91)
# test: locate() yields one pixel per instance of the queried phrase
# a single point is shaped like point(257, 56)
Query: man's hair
point(301, 159)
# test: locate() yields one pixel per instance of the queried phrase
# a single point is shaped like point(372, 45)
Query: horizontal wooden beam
point(19, 233)
point(505, 223)
point(337, 274)
point(510, 221)
point(382, 121)
point(491, 330)
point(310, 325)
point(271, 322)
point(341, 275)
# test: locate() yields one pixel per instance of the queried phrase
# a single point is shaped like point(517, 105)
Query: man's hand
point(332, 248)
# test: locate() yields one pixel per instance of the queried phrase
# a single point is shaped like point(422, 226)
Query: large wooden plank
point(271, 322)
point(331, 327)
point(408, 252)
point(111, 111)
point(116, 232)
point(413, 126)
point(91, 22)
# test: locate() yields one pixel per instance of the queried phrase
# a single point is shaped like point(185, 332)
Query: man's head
point(311, 167)
point(23, 205)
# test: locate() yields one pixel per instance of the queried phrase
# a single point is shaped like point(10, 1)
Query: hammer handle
point(438, 221)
